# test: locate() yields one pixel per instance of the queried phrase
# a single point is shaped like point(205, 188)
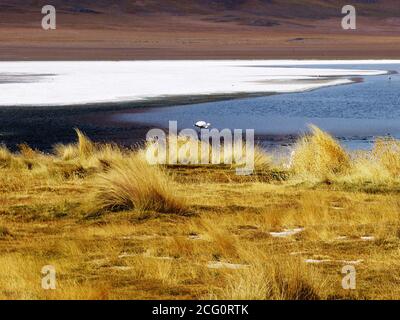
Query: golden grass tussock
point(262, 160)
point(274, 279)
point(184, 150)
point(134, 184)
point(378, 168)
point(86, 155)
point(85, 146)
point(20, 278)
point(66, 152)
point(27, 152)
point(320, 156)
point(25, 159)
point(387, 154)
point(5, 156)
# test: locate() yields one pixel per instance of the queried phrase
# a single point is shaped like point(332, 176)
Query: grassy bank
point(115, 227)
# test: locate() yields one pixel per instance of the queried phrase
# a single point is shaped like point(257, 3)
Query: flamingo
point(202, 125)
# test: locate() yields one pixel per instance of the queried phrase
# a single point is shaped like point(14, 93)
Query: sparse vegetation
point(319, 156)
point(387, 154)
point(133, 184)
point(116, 227)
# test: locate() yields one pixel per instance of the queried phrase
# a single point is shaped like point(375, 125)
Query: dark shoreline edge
point(161, 101)
point(44, 126)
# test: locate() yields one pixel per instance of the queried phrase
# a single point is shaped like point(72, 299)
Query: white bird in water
point(202, 124)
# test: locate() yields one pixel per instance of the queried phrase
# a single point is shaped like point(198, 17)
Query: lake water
point(354, 113)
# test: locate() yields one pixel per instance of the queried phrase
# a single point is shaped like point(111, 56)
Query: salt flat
point(85, 82)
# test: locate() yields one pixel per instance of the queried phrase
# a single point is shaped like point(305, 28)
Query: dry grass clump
point(261, 159)
point(85, 146)
point(27, 158)
point(27, 152)
point(87, 155)
point(387, 153)
point(184, 150)
point(123, 179)
point(21, 278)
point(5, 156)
point(319, 155)
point(108, 154)
point(274, 279)
point(83, 150)
point(66, 152)
point(367, 169)
point(9, 160)
point(134, 184)
point(377, 169)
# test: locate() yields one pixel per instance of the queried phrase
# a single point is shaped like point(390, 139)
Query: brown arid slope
point(169, 29)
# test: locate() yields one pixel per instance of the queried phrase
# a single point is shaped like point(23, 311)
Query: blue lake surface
point(355, 113)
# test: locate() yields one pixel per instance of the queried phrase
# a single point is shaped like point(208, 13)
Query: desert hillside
point(232, 10)
point(148, 29)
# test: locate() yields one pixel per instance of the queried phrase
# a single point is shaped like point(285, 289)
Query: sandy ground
point(127, 37)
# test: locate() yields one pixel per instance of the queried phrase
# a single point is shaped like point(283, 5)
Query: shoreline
point(45, 126)
point(175, 100)
point(99, 123)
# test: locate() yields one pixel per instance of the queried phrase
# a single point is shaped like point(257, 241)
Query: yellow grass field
point(115, 227)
